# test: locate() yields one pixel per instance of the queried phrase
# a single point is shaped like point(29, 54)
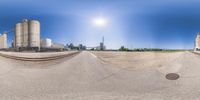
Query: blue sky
point(168, 24)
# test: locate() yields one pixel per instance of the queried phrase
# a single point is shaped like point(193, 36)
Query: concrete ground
point(90, 76)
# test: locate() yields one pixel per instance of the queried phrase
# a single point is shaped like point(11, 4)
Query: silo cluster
point(27, 35)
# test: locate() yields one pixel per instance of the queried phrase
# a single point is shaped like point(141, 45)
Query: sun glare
point(100, 21)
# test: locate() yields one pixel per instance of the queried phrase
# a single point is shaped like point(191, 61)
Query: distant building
point(3, 41)
point(67, 47)
point(71, 46)
point(101, 46)
point(197, 42)
point(13, 43)
point(81, 47)
point(57, 46)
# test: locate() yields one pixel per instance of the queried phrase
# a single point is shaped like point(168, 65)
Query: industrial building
point(58, 45)
point(197, 42)
point(101, 46)
point(3, 41)
point(81, 47)
point(71, 46)
point(27, 35)
point(48, 45)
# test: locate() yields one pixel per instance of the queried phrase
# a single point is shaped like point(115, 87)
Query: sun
point(100, 21)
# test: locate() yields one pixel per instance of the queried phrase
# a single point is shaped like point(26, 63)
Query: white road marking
point(93, 55)
point(99, 58)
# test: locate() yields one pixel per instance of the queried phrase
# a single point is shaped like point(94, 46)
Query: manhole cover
point(172, 76)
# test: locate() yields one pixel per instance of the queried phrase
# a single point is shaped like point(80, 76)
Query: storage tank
point(18, 35)
point(25, 33)
point(46, 43)
point(34, 33)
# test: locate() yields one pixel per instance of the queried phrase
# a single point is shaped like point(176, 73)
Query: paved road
point(85, 77)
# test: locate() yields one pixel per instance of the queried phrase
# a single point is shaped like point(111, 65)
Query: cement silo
point(18, 35)
point(197, 42)
point(27, 35)
point(25, 30)
point(34, 33)
point(3, 41)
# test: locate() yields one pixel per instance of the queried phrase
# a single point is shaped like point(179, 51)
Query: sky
point(167, 24)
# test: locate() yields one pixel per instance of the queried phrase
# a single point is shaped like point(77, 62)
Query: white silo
point(18, 35)
point(34, 33)
point(25, 33)
point(3, 41)
point(197, 42)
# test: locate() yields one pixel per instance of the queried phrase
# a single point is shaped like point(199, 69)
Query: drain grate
point(172, 76)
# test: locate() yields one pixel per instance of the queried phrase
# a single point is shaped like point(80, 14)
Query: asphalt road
point(85, 77)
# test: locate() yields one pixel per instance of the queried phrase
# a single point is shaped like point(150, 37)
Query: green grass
point(151, 50)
